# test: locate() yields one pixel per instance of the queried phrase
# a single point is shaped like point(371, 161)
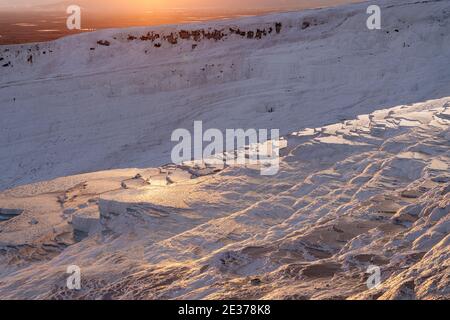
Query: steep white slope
point(369, 191)
point(77, 105)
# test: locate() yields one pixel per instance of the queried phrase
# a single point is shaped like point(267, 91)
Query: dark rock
point(196, 34)
point(305, 25)
point(260, 33)
point(150, 37)
point(185, 35)
point(213, 35)
point(278, 27)
point(172, 39)
point(105, 43)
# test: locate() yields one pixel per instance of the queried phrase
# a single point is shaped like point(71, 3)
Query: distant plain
point(28, 27)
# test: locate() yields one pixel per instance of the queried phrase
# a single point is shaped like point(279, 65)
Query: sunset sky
point(165, 4)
